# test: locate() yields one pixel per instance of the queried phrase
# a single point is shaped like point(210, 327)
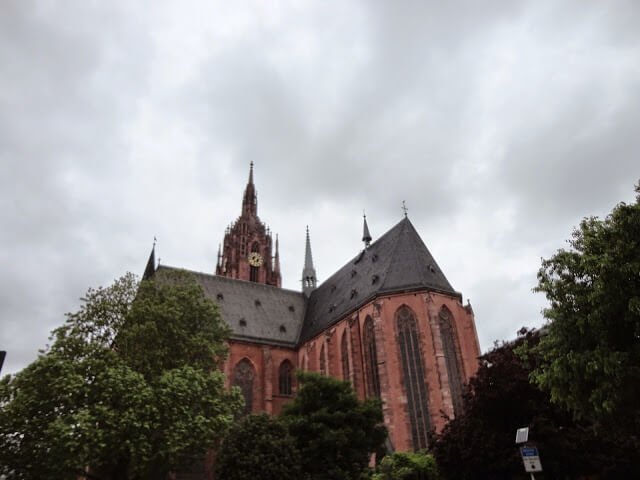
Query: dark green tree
point(479, 444)
point(591, 350)
point(258, 446)
point(129, 388)
point(334, 431)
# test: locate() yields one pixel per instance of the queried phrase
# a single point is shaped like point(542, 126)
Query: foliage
point(479, 444)
point(127, 387)
point(334, 431)
point(258, 446)
point(407, 466)
point(591, 352)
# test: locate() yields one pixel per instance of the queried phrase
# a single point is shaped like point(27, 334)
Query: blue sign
point(529, 451)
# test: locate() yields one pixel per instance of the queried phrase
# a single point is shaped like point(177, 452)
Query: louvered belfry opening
point(414, 380)
point(371, 359)
point(243, 377)
point(344, 350)
point(284, 378)
point(448, 337)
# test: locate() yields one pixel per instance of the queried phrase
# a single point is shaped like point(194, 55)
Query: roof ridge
point(227, 279)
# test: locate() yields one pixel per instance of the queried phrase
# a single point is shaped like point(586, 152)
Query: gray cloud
point(501, 125)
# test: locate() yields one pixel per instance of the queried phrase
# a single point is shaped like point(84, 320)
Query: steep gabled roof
point(397, 261)
point(254, 311)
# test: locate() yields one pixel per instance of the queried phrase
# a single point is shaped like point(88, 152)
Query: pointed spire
point(276, 267)
point(309, 280)
point(150, 269)
point(250, 199)
point(366, 236)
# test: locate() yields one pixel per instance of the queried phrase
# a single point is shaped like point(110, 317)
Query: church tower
point(247, 248)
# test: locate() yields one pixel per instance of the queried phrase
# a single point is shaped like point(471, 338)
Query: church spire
point(250, 199)
point(308, 272)
point(150, 269)
point(366, 236)
point(276, 267)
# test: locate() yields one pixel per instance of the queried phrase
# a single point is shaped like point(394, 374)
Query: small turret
point(366, 236)
point(309, 279)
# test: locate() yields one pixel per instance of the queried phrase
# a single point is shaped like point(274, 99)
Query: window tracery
point(344, 350)
point(413, 371)
point(371, 358)
point(323, 361)
point(448, 338)
point(284, 378)
point(243, 377)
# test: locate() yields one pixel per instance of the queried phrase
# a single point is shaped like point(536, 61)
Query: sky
point(501, 124)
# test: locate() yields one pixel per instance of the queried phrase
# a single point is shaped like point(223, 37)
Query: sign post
point(531, 460)
point(529, 454)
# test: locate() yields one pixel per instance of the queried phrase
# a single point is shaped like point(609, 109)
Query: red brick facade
point(426, 306)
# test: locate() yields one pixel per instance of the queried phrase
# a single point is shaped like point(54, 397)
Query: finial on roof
point(404, 209)
point(366, 236)
point(308, 272)
point(251, 172)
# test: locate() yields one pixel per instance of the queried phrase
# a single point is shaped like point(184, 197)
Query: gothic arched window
point(243, 377)
point(448, 337)
point(371, 359)
point(284, 377)
point(413, 371)
point(323, 361)
point(344, 350)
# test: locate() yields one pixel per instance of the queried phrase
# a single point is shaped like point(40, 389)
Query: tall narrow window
point(448, 337)
point(284, 377)
point(414, 380)
point(323, 361)
point(371, 359)
point(344, 350)
point(243, 377)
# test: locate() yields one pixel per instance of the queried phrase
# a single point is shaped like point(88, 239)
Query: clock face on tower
point(255, 260)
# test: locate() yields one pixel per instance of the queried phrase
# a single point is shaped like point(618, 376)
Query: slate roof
point(397, 261)
point(254, 311)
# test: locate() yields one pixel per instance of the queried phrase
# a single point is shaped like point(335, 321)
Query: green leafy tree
point(407, 466)
point(479, 443)
point(258, 446)
point(591, 350)
point(129, 388)
point(334, 431)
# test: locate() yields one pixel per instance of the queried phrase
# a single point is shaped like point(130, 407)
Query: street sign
point(531, 459)
point(522, 435)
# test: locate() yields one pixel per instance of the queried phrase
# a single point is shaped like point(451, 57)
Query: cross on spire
point(404, 208)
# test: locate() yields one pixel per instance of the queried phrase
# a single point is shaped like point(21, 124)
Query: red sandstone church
point(388, 321)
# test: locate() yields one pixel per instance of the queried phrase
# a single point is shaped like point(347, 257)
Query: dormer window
point(243, 322)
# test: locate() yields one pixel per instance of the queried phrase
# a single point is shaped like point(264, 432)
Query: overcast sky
point(501, 124)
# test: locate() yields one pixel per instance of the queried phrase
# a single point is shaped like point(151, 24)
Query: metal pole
point(532, 476)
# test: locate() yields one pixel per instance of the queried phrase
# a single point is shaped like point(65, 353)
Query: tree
point(334, 431)
point(129, 388)
point(479, 443)
point(258, 446)
point(591, 350)
point(407, 466)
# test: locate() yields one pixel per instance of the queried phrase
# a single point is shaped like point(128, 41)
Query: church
point(388, 321)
